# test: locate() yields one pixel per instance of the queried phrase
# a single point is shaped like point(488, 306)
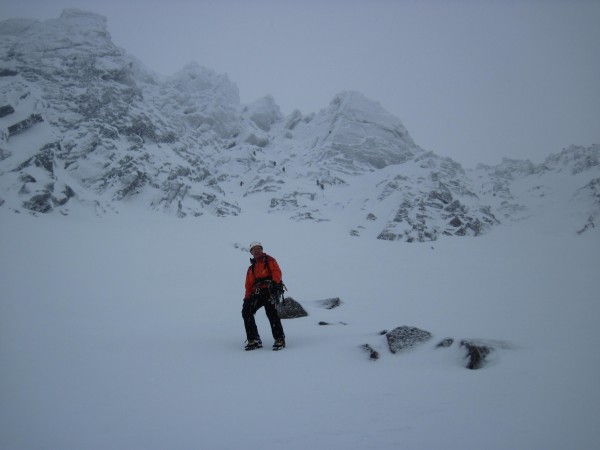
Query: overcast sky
point(473, 80)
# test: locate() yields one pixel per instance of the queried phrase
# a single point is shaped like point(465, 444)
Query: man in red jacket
point(263, 279)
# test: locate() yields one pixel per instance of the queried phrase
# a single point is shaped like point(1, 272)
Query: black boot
point(279, 344)
point(253, 345)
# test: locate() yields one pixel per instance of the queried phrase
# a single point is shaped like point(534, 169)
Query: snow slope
point(121, 329)
point(125, 332)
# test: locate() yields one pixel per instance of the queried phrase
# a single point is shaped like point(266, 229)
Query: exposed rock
point(330, 303)
point(4, 154)
point(476, 353)
point(25, 124)
point(8, 73)
point(185, 146)
point(6, 110)
point(44, 158)
point(587, 226)
point(290, 309)
point(47, 199)
point(445, 343)
point(590, 192)
point(40, 202)
point(373, 354)
point(405, 337)
point(434, 198)
point(575, 158)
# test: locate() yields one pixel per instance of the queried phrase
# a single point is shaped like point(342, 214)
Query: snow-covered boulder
point(263, 112)
point(200, 97)
point(355, 134)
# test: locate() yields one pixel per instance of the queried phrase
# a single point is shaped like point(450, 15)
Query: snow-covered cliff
point(85, 125)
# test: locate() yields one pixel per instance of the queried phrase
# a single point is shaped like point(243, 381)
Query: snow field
point(125, 332)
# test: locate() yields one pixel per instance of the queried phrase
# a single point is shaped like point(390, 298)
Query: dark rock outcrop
point(405, 337)
point(445, 343)
point(6, 110)
point(373, 354)
point(119, 135)
point(476, 353)
point(291, 309)
point(330, 303)
point(25, 124)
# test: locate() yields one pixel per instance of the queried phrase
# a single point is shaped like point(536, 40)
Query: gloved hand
point(276, 291)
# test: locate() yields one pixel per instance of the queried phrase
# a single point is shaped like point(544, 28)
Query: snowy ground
point(125, 332)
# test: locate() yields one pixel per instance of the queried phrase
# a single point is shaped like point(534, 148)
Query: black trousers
point(253, 304)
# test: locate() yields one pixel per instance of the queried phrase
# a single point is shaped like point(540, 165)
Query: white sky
point(473, 80)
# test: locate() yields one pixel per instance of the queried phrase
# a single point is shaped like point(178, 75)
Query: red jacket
point(263, 267)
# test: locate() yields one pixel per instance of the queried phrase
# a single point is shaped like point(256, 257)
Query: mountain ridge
point(84, 124)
